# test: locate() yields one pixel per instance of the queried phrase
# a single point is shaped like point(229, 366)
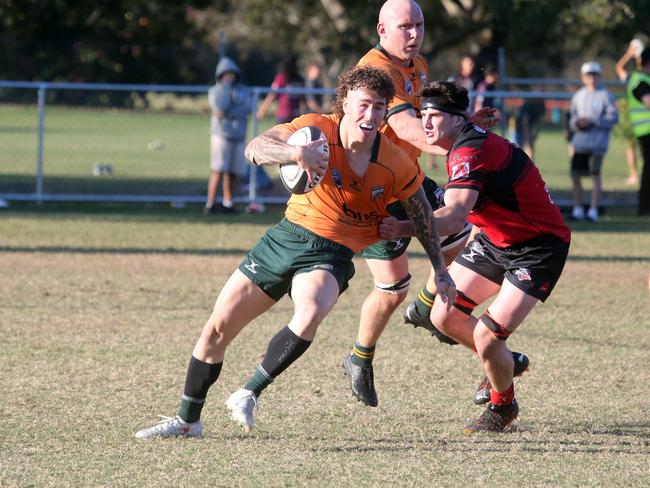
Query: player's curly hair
point(448, 93)
point(366, 77)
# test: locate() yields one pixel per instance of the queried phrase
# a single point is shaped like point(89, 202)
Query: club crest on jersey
point(337, 177)
point(460, 170)
point(376, 192)
point(523, 274)
point(408, 86)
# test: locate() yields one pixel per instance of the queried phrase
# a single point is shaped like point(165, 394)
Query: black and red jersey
point(514, 204)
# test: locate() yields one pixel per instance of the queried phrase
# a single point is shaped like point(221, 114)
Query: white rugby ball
point(293, 177)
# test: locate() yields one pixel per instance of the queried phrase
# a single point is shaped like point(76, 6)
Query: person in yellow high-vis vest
point(638, 97)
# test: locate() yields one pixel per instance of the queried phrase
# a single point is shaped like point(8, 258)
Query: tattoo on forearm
point(267, 149)
point(419, 211)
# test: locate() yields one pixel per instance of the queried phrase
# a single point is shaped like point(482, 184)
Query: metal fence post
point(40, 136)
point(252, 180)
point(502, 76)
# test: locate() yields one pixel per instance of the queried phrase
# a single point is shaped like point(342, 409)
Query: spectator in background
point(488, 84)
point(314, 102)
point(638, 99)
point(528, 122)
point(624, 127)
point(231, 105)
point(638, 104)
point(466, 76)
point(288, 106)
point(593, 115)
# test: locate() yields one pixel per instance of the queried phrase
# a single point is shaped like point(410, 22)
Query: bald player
point(401, 32)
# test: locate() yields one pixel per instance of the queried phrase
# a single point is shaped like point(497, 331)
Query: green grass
point(101, 306)
point(76, 139)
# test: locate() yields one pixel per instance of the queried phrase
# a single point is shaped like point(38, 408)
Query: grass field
point(101, 306)
point(76, 139)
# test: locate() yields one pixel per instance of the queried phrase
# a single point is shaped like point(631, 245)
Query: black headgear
point(436, 103)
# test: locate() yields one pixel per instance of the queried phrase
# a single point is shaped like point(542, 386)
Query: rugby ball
point(293, 177)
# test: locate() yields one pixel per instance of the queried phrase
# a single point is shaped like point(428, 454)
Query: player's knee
point(397, 289)
point(492, 328)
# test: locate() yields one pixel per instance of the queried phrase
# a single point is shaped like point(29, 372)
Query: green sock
point(189, 409)
point(258, 381)
point(424, 302)
point(361, 355)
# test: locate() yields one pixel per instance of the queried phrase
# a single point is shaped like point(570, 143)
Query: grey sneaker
point(362, 381)
point(171, 427)
point(411, 316)
point(241, 405)
point(482, 393)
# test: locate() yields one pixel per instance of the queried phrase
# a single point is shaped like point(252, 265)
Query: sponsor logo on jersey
point(474, 249)
point(252, 266)
point(523, 274)
point(358, 216)
point(376, 192)
point(460, 170)
point(337, 177)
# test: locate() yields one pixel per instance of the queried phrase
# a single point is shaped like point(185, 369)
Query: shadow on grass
point(122, 250)
point(634, 442)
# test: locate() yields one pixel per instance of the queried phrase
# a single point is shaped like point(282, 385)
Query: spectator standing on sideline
point(288, 106)
point(466, 76)
point(313, 80)
point(638, 97)
point(231, 104)
point(593, 116)
point(488, 84)
point(308, 255)
point(528, 122)
point(517, 257)
point(624, 128)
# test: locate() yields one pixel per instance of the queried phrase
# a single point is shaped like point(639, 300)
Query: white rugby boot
point(171, 427)
point(241, 404)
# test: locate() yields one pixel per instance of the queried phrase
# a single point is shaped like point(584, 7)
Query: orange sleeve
point(408, 175)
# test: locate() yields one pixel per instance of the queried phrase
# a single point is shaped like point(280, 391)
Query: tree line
point(179, 42)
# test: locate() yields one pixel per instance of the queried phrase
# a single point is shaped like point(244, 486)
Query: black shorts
point(533, 266)
point(586, 164)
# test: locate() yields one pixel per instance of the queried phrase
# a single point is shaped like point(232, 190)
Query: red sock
point(502, 398)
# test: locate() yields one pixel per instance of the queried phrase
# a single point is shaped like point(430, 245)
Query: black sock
point(424, 302)
point(200, 377)
point(361, 355)
point(283, 349)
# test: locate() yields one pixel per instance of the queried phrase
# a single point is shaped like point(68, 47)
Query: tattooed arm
point(271, 147)
point(450, 219)
point(419, 210)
